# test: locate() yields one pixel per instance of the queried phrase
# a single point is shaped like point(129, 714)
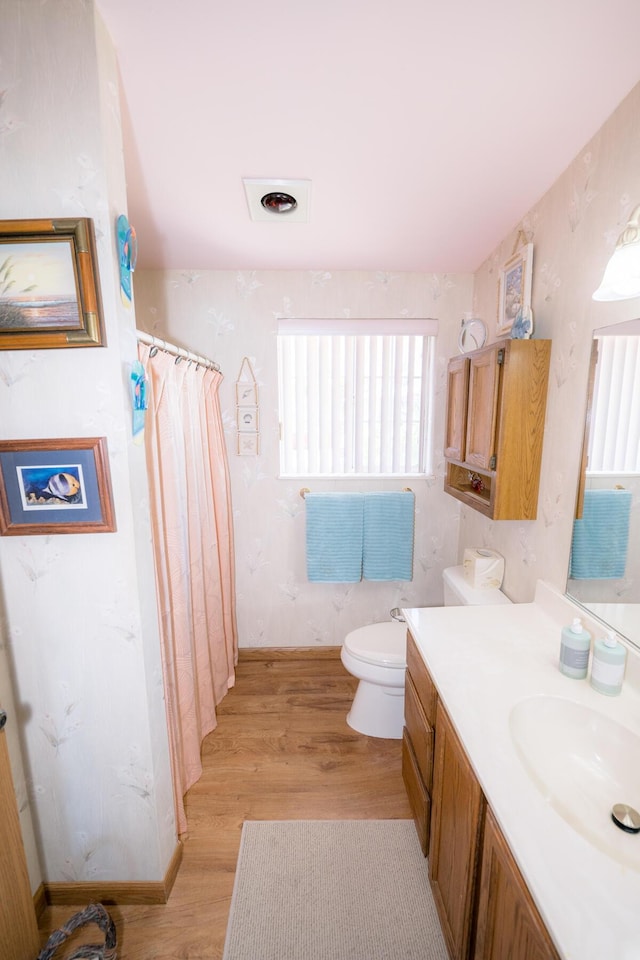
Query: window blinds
point(614, 444)
point(354, 402)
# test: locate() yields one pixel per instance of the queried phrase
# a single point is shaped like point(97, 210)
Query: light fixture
point(279, 202)
point(621, 280)
point(286, 201)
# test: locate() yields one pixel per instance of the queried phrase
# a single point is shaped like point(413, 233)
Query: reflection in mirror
point(604, 566)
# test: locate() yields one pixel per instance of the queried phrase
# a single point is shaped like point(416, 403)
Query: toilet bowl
point(376, 656)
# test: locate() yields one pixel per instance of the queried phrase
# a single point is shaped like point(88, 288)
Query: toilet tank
point(458, 592)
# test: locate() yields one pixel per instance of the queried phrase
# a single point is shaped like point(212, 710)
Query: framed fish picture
point(55, 486)
point(49, 291)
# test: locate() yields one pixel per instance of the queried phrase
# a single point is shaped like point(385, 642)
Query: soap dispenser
point(607, 669)
point(574, 650)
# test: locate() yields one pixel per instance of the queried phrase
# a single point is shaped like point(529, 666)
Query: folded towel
point(601, 537)
point(334, 537)
point(388, 536)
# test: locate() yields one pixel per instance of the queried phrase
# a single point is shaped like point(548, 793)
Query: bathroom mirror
point(604, 566)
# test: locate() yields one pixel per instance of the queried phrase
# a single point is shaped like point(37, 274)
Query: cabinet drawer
point(422, 682)
point(420, 732)
point(419, 799)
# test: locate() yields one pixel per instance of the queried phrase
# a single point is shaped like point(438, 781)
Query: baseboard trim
point(40, 901)
point(289, 653)
point(109, 893)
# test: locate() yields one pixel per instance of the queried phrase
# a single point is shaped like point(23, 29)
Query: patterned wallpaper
point(79, 650)
point(573, 228)
point(227, 316)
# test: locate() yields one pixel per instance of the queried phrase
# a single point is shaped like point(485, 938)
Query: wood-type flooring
point(282, 750)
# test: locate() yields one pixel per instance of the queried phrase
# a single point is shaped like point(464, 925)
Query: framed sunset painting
point(49, 292)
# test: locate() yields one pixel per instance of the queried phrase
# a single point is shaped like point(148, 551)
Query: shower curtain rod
point(178, 352)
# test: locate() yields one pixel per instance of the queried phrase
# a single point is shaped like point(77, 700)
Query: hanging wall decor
point(55, 486)
point(127, 257)
point(139, 386)
point(514, 286)
point(49, 289)
point(247, 411)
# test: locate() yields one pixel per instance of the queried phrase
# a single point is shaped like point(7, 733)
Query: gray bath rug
point(332, 890)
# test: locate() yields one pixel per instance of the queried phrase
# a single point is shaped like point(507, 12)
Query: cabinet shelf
point(458, 484)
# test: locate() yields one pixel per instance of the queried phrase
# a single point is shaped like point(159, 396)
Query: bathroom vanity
point(523, 857)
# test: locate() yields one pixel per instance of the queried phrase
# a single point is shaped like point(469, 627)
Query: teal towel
point(334, 537)
point(388, 536)
point(601, 537)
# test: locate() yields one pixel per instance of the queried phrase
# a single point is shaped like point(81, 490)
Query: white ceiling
point(427, 128)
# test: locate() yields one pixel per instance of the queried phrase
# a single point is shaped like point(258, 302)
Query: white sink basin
point(583, 763)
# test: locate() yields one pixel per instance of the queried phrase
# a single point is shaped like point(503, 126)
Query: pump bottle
point(574, 650)
point(607, 669)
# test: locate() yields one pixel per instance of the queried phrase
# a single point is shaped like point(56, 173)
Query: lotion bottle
point(607, 669)
point(574, 650)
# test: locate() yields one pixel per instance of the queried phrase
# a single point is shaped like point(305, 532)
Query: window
point(355, 397)
point(614, 442)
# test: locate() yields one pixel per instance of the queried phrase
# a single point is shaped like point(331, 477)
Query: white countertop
point(483, 661)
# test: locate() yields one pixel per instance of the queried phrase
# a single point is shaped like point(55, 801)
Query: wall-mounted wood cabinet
point(496, 403)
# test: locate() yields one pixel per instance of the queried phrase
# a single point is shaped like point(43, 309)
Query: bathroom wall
point(79, 646)
point(227, 315)
point(573, 228)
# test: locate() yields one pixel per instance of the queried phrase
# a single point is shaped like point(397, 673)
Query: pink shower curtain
point(193, 549)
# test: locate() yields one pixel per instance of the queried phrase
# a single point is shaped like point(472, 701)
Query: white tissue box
point(483, 569)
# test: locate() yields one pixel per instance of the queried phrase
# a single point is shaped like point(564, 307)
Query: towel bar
point(305, 490)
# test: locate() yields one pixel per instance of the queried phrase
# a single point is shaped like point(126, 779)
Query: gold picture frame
point(49, 290)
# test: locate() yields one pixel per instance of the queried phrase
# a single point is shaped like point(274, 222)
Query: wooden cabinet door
point(482, 407)
point(420, 732)
point(457, 397)
point(419, 798)
point(509, 925)
point(19, 938)
point(456, 823)
point(422, 682)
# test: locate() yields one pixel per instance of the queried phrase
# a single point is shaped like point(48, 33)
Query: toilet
point(376, 656)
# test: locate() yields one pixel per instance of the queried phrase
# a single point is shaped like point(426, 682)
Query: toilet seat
point(380, 644)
